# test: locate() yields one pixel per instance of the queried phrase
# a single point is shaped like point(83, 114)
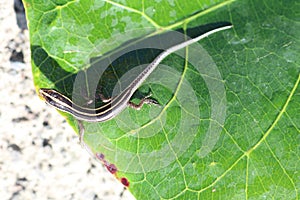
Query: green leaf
point(229, 125)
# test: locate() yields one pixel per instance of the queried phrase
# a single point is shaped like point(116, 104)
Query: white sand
point(61, 170)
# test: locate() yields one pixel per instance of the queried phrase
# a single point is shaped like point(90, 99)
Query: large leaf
point(228, 127)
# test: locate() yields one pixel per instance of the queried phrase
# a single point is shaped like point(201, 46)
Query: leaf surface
point(228, 127)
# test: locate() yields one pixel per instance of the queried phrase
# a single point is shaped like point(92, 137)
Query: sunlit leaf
point(228, 125)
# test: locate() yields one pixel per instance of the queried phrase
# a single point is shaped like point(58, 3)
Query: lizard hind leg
point(145, 100)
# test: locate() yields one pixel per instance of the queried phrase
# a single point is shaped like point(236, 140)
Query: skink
point(118, 103)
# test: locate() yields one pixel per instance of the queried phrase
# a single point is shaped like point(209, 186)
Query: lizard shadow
point(106, 72)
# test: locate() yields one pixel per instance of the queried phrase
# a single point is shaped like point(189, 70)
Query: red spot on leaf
point(100, 156)
point(125, 182)
point(111, 168)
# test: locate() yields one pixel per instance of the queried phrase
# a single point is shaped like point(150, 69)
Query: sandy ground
point(40, 155)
